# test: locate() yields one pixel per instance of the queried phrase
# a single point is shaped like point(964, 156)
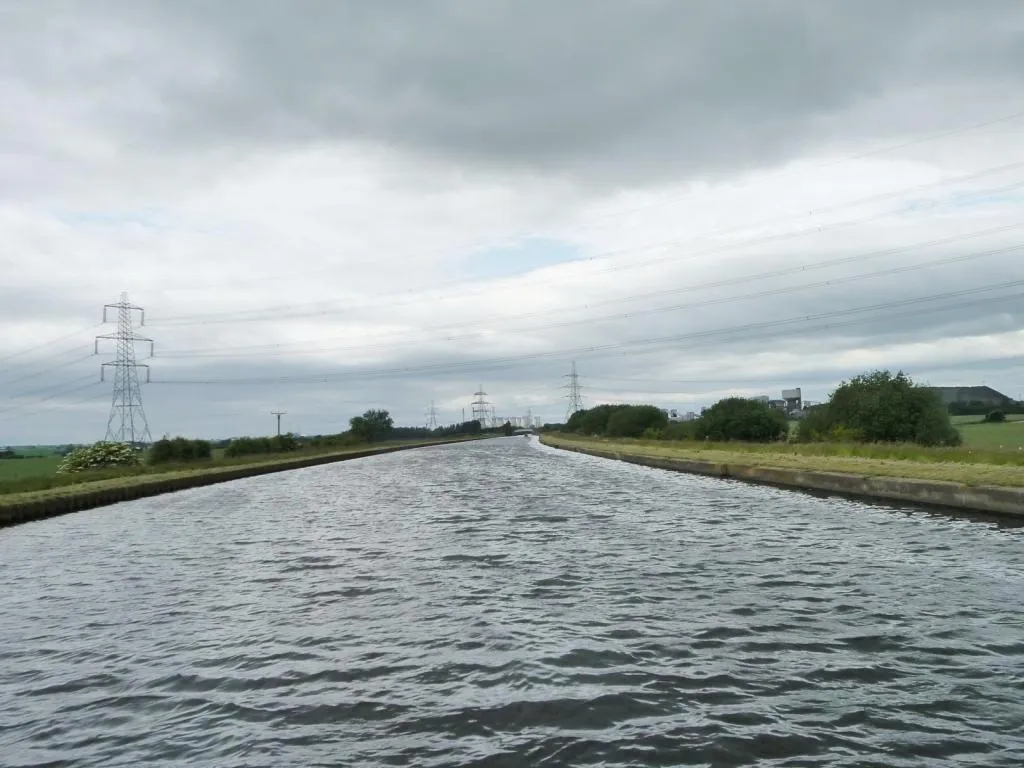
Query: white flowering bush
point(101, 455)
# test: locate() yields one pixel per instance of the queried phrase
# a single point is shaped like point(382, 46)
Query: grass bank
point(60, 495)
point(966, 466)
point(970, 484)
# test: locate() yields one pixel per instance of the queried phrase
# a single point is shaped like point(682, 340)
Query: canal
point(506, 604)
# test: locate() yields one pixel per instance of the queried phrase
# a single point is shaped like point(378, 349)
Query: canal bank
point(865, 484)
point(24, 507)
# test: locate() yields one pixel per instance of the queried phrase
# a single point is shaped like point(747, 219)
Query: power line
point(274, 312)
point(789, 289)
point(663, 202)
point(48, 370)
point(127, 422)
point(642, 345)
point(27, 411)
point(49, 343)
point(34, 393)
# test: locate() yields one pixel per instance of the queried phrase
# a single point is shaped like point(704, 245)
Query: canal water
point(506, 604)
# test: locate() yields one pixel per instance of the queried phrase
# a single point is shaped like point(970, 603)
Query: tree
point(738, 418)
point(635, 420)
point(372, 426)
point(881, 407)
point(593, 421)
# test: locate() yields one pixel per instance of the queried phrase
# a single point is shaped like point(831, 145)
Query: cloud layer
point(325, 205)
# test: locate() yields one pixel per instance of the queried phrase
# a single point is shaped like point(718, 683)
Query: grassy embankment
point(32, 479)
point(972, 464)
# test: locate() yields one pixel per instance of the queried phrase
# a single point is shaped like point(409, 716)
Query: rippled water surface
point(505, 604)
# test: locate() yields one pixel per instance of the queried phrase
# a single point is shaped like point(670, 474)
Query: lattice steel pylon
point(127, 422)
point(480, 407)
point(432, 417)
point(574, 395)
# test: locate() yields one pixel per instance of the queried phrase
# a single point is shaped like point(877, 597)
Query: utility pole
point(279, 414)
point(574, 395)
point(432, 417)
point(127, 422)
point(480, 407)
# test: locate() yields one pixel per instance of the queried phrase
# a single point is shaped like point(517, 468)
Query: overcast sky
point(328, 206)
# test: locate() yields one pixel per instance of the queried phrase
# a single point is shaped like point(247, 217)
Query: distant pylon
point(481, 412)
point(127, 422)
point(574, 395)
point(432, 417)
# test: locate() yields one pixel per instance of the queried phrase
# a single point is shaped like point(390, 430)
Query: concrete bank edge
point(38, 509)
point(992, 499)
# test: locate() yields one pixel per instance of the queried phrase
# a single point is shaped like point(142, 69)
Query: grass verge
point(14, 492)
point(956, 465)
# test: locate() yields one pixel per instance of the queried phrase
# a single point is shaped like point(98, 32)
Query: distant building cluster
point(525, 422)
point(794, 406)
point(675, 415)
point(791, 403)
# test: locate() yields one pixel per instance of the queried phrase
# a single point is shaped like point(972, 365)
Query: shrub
point(634, 420)
point(880, 407)
point(180, 449)
point(101, 455)
point(593, 421)
point(372, 426)
point(995, 417)
point(737, 418)
point(254, 446)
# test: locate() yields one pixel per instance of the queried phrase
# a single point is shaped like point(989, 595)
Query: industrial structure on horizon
point(484, 411)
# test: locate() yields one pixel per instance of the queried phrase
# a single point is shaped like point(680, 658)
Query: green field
point(22, 469)
point(1007, 436)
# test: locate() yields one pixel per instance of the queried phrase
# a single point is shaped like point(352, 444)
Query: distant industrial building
point(790, 404)
point(674, 415)
point(981, 395)
point(794, 399)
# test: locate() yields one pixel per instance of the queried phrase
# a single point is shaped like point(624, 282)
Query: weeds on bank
point(882, 452)
point(45, 482)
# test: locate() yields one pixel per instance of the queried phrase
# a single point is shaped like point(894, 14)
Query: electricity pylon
point(481, 412)
point(127, 422)
point(574, 395)
point(432, 417)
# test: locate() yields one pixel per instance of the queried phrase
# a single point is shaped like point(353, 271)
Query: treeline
point(255, 446)
point(179, 449)
point(734, 418)
point(376, 426)
point(878, 407)
point(371, 427)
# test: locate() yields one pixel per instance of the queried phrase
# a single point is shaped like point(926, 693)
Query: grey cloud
point(602, 91)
